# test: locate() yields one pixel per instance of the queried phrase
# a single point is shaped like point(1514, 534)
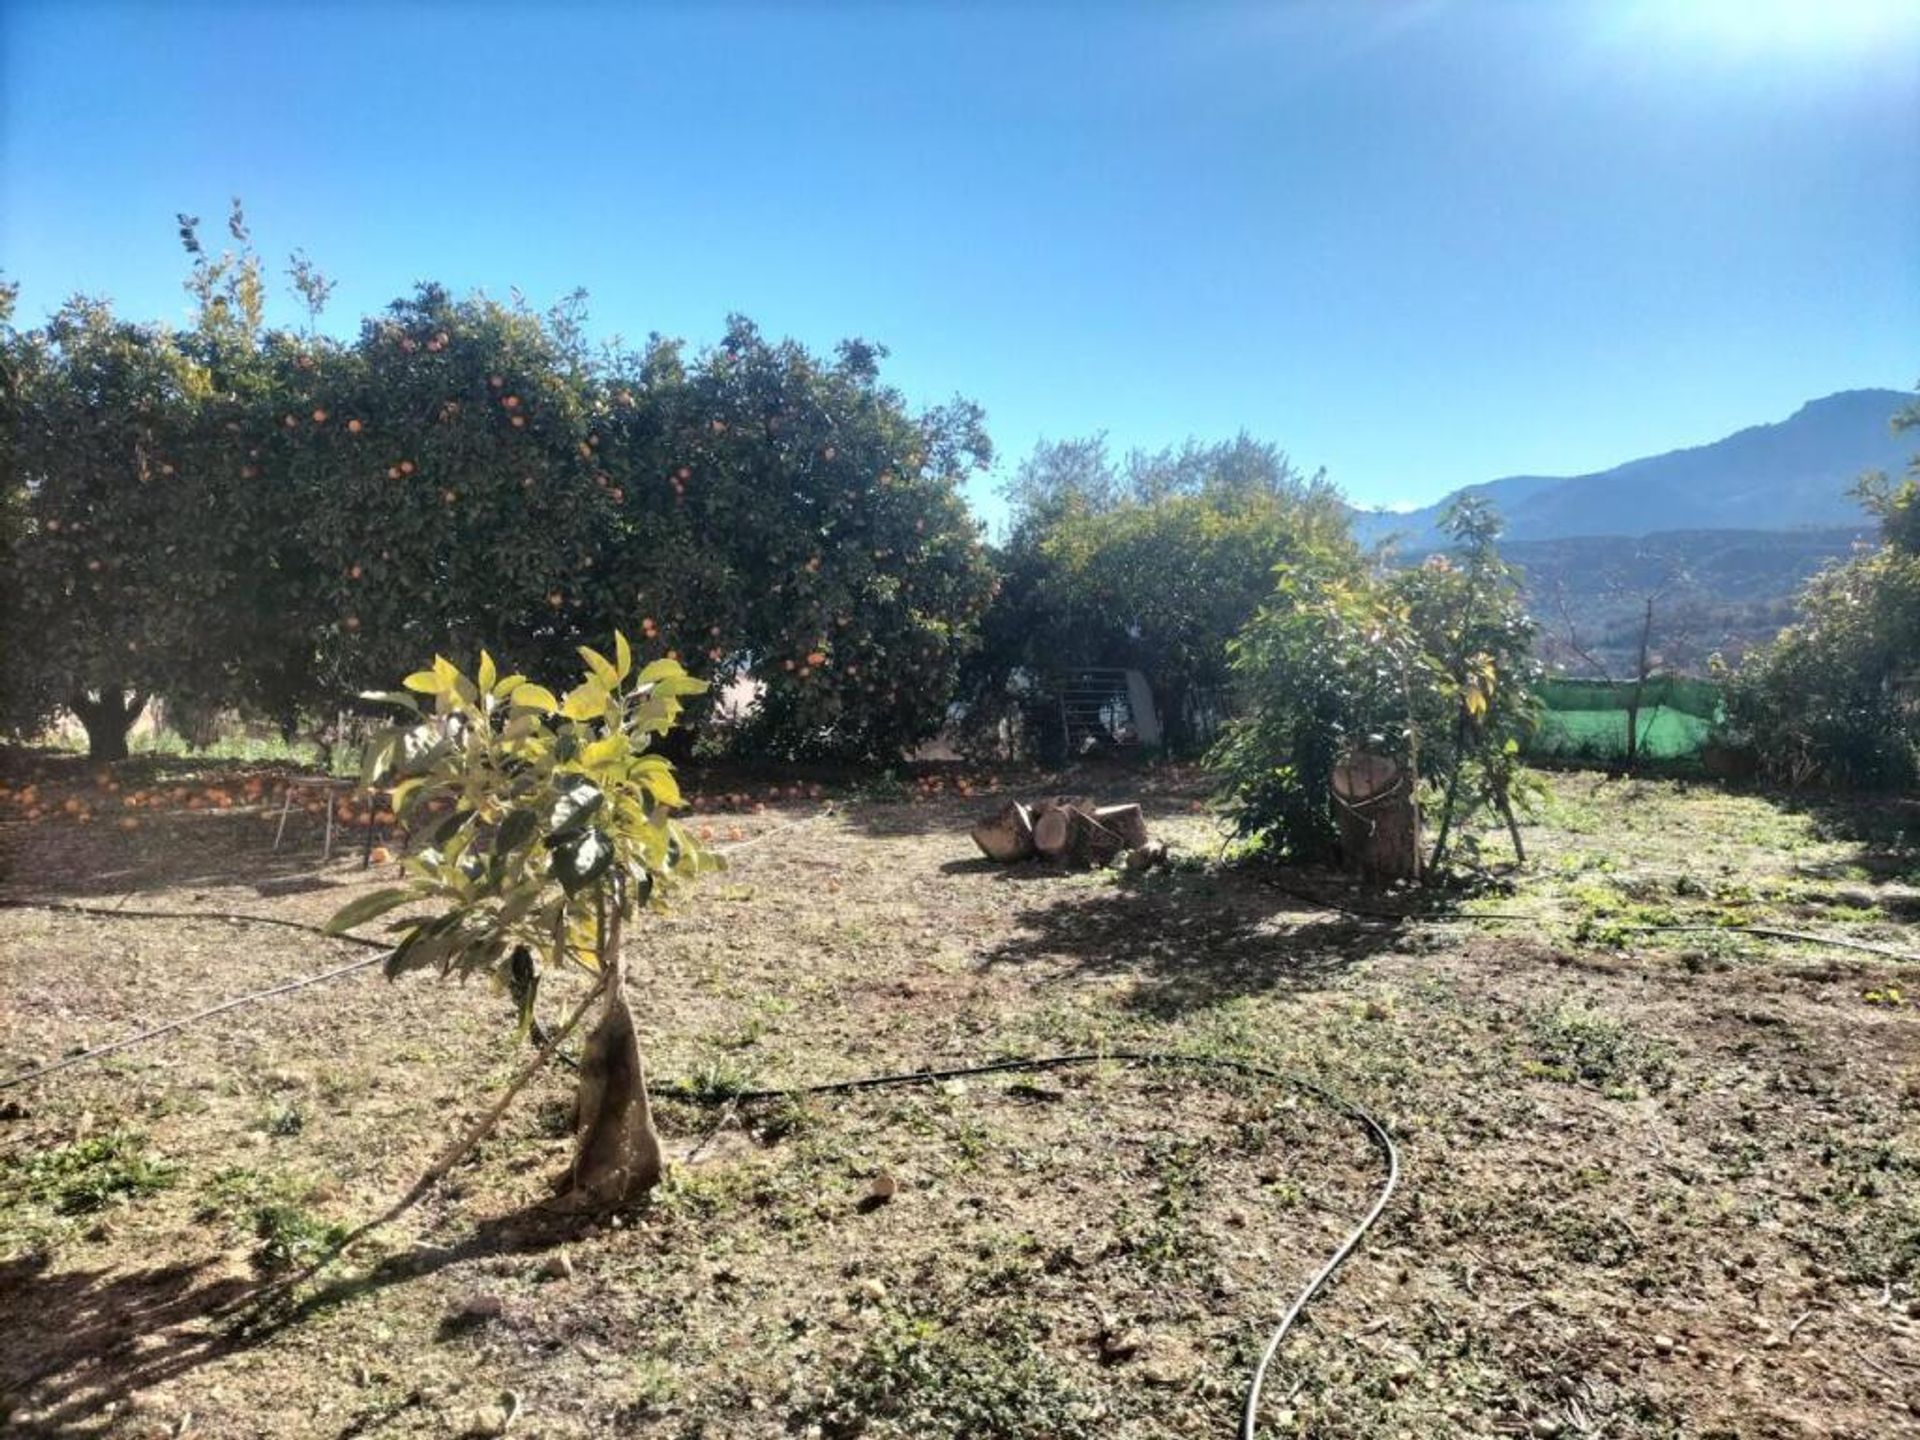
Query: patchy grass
point(1581, 1046)
point(1658, 1183)
point(83, 1176)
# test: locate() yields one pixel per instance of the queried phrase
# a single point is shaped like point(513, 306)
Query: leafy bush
point(1431, 667)
point(784, 516)
point(104, 514)
point(1835, 699)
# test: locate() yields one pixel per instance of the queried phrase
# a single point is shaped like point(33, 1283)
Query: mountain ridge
point(1790, 474)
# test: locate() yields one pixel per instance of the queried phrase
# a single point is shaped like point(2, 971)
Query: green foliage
point(111, 1168)
point(1153, 566)
point(102, 519)
point(241, 516)
point(1580, 1046)
point(273, 1208)
point(540, 812)
point(428, 488)
point(1432, 667)
point(1835, 699)
point(1331, 663)
point(795, 507)
point(917, 1376)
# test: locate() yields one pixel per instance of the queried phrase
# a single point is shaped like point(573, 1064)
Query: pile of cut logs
point(1069, 830)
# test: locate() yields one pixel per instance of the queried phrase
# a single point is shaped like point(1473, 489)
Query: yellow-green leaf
point(424, 681)
point(535, 697)
point(586, 702)
point(487, 673)
point(608, 750)
point(657, 775)
point(601, 667)
point(622, 657)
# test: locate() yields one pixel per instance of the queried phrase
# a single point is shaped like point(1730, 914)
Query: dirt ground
point(1656, 1183)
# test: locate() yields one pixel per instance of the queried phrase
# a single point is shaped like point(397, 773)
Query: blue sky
point(1420, 244)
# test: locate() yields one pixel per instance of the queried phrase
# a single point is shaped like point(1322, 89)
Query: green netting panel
point(1588, 718)
point(1699, 698)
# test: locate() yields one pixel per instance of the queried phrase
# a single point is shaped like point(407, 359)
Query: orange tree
point(423, 487)
point(110, 582)
point(788, 516)
point(554, 832)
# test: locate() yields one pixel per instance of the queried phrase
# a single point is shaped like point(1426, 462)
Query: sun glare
point(1772, 28)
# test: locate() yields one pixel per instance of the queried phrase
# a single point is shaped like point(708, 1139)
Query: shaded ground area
point(1657, 1184)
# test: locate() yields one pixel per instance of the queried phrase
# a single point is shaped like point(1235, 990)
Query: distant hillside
point(1786, 476)
point(1714, 591)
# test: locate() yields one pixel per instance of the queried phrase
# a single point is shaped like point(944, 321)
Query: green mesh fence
point(1587, 719)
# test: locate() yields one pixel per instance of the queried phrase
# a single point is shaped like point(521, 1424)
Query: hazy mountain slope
point(1783, 476)
point(1714, 591)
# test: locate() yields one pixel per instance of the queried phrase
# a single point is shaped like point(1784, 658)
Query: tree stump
point(1072, 836)
point(1008, 835)
point(1126, 821)
point(1379, 820)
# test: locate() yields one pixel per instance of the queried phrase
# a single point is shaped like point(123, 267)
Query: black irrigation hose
point(111, 912)
point(1376, 1132)
point(157, 1031)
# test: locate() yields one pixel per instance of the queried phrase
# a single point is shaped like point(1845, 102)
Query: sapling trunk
point(1513, 826)
point(1453, 790)
point(617, 1153)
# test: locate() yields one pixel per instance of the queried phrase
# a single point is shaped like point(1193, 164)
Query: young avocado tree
point(546, 827)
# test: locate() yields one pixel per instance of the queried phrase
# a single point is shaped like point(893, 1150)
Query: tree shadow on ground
point(80, 1340)
point(995, 873)
point(1883, 833)
point(178, 852)
point(1191, 940)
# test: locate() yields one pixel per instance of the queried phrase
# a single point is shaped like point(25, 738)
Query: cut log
point(1073, 836)
point(1126, 821)
point(1379, 820)
point(1008, 835)
point(1050, 831)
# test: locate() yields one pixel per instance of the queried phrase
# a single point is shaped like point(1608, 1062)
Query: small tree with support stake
point(548, 828)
